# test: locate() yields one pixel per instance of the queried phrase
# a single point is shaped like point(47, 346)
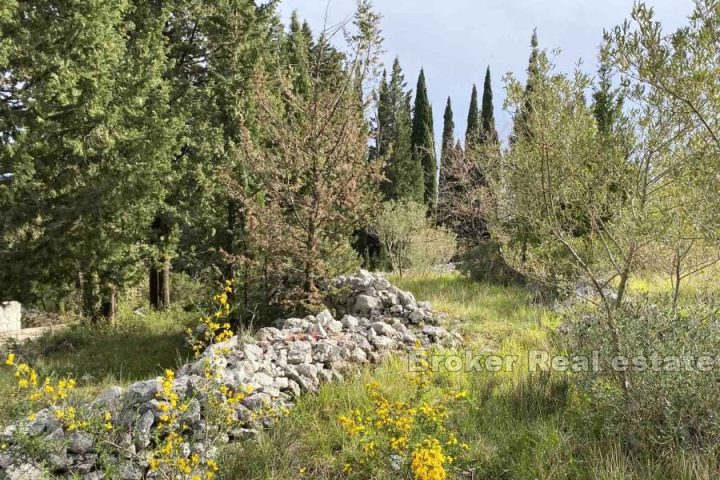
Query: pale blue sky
point(454, 40)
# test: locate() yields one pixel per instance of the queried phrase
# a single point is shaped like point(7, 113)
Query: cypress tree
point(472, 131)
point(403, 170)
point(520, 124)
point(448, 137)
point(487, 123)
point(423, 141)
point(607, 104)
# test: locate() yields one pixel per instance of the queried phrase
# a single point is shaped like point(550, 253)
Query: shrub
point(485, 263)
point(669, 402)
point(431, 246)
point(411, 437)
point(410, 241)
point(173, 450)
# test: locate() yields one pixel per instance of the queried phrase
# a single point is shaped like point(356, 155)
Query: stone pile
point(373, 319)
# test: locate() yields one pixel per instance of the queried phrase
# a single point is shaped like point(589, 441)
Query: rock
point(252, 352)
point(10, 316)
point(416, 317)
point(295, 323)
point(358, 356)
point(334, 326)
point(79, 443)
point(256, 401)
point(307, 370)
point(84, 463)
point(366, 304)
point(193, 415)
point(382, 328)
point(383, 343)
point(324, 318)
point(24, 471)
point(141, 392)
point(407, 299)
point(350, 322)
point(109, 399)
point(317, 331)
point(396, 309)
point(299, 352)
point(128, 471)
point(143, 430)
point(268, 334)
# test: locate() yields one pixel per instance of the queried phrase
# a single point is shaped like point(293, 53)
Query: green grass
point(519, 425)
point(134, 348)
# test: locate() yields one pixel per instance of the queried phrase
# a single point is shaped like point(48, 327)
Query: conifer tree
point(93, 140)
point(607, 104)
point(403, 170)
point(448, 137)
point(472, 131)
point(487, 120)
point(520, 123)
point(423, 141)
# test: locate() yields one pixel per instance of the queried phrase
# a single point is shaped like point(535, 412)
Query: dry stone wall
point(373, 319)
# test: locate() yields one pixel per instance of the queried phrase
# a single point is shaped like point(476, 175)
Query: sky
point(455, 40)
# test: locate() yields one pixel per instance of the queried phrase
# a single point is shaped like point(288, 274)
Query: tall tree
point(317, 184)
point(607, 103)
point(423, 141)
point(403, 170)
point(520, 120)
point(448, 137)
point(93, 141)
point(487, 118)
point(472, 131)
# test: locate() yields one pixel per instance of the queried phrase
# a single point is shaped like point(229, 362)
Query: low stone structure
point(10, 316)
point(373, 319)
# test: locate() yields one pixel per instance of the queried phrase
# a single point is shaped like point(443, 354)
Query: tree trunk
point(154, 287)
point(165, 285)
point(677, 277)
point(90, 295)
point(159, 286)
point(109, 304)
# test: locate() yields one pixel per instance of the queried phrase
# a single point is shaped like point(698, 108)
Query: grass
point(134, 348)
point(519, 425)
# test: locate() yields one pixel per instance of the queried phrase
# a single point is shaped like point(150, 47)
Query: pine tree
point(297, 51)
point(487, 123)
point(472, 131)
point(423, 141)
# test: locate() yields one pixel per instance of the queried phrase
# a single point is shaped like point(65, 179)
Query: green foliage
point(423, 141)
point(667, 407)
point(403, 170)
point(410, 241)
point(472, 131)
point(92, 140)
point(488, 132)
point(485, 263)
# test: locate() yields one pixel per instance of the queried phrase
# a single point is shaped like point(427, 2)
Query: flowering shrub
point(215, 327)
point(412, 436)
point(178, 449)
